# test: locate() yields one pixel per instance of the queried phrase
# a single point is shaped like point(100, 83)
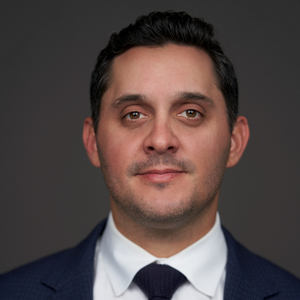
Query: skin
point(163, 144)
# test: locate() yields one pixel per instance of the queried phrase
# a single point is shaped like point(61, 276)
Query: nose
point(161, 138)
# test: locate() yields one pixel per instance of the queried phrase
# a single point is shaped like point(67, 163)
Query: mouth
point(160, 175)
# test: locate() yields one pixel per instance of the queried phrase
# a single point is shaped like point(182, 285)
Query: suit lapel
point(245, 277)
point(72, 276)
point(236, 287)
point(78, 287)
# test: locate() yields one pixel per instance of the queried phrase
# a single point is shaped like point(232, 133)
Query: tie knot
point(159, 281)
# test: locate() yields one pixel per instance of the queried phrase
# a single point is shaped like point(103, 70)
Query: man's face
point(163, 135)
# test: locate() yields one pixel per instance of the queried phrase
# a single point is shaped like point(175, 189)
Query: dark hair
point(159, 29)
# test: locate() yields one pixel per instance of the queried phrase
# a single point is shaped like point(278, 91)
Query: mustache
point(167, 160)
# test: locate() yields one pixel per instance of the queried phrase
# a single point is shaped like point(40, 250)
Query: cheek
point(117, 148)
point(207, 148)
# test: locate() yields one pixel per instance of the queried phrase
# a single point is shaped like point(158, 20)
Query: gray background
point(51, 196)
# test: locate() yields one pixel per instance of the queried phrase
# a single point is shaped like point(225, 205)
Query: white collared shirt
point(117, 260)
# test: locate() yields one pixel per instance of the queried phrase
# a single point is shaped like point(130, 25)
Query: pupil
point(191, 113)
point(135, 115)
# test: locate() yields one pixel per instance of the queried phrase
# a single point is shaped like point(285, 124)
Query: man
point(164, 128)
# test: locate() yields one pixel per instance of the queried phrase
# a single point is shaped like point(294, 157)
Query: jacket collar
point(245, 276)
point(72, 273)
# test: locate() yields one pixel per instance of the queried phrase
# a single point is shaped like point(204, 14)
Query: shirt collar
point(203, 262)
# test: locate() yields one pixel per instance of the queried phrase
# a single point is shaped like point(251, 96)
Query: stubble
point(182, 212)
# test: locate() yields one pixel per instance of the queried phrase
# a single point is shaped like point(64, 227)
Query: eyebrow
point(129, 98)
point(194, 96)
point(180, 95)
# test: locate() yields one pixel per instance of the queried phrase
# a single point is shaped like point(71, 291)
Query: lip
point(161, 175)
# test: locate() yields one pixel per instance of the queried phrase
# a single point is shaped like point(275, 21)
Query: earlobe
point(239, 139)
point(90, 142)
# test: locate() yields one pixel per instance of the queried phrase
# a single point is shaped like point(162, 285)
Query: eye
point(190, 113)
point(134, 115)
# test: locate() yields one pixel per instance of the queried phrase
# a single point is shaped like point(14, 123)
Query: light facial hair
point(180, 213)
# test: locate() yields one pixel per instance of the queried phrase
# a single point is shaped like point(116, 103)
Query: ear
point(90, 142)
point(239, 139)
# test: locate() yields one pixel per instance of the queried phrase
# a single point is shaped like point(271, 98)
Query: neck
point(164, 242)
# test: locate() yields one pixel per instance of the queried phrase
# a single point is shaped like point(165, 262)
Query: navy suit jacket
point(69, 275)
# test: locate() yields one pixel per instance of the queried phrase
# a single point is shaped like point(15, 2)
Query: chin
point(166, 214)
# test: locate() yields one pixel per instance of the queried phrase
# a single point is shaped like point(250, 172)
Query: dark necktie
point(159, 282)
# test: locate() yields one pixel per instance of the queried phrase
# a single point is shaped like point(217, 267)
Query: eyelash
point(127, 116)
point(197, 115)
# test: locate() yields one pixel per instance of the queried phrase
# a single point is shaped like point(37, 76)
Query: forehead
point(162, 71)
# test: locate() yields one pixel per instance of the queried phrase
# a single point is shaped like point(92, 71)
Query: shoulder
point(257, 273)
point(39, 279)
